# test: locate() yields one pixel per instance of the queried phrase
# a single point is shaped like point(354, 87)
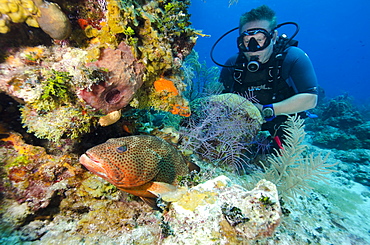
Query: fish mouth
point(93, 165)
point(113, 96)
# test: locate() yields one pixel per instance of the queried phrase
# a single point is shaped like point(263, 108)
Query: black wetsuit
point(295, 75)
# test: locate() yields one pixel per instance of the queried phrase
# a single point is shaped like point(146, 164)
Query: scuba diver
point(271, 68)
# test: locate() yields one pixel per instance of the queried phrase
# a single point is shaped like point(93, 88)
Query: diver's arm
point(295, 104)
point(304, 78)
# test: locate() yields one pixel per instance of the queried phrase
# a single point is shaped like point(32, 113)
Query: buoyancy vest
point(267, 84)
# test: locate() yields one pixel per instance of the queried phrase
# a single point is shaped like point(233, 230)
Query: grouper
point(143, 165)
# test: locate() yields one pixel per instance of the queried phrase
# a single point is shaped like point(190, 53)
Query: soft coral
point(221, 129)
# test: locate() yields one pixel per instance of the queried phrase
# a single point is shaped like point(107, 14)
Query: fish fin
point(159, 188)
point(151, 189)
point(152, 202)
point(167, 192)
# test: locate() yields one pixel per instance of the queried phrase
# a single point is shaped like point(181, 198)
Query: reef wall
point(92, 58)
point(47, 198)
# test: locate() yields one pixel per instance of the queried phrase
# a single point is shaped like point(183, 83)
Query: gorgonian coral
point(200, 80)
point(221, 129)
point(291, 168)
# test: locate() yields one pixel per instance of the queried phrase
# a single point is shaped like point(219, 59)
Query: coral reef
point(44, 80)
point(62, 122)
point(339, 125)
point(159, 45)
point(222, 129)
point(47, 198)
point(343, 128)
point(122, 63)
point(32, 177)
point(115, 48)
point(354, 164)
point(76, 207)
point(42, 191)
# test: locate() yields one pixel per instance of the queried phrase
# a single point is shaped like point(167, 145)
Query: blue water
point(335, 34)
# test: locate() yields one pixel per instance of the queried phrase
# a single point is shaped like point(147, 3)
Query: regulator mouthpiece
point(253, 65)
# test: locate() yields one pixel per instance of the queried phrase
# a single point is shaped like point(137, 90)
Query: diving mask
point(254, 40)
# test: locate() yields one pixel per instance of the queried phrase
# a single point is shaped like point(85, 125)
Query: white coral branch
point(289, 169)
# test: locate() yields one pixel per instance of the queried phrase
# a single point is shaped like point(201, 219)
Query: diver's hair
point(260, 13)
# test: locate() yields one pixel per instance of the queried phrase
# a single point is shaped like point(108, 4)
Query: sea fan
point(200, 80)
point(220, 129)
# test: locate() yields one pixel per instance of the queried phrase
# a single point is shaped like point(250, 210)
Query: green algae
point(20, 160)
point(55, 92)
point(56, 113)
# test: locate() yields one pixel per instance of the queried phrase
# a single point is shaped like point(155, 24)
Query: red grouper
point(142, 165)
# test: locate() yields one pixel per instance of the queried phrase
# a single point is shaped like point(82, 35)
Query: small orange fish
point(143, 165)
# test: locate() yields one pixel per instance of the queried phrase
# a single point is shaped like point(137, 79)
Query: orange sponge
point(164, 85)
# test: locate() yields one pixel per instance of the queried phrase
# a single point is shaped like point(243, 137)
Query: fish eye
point(121, 149)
